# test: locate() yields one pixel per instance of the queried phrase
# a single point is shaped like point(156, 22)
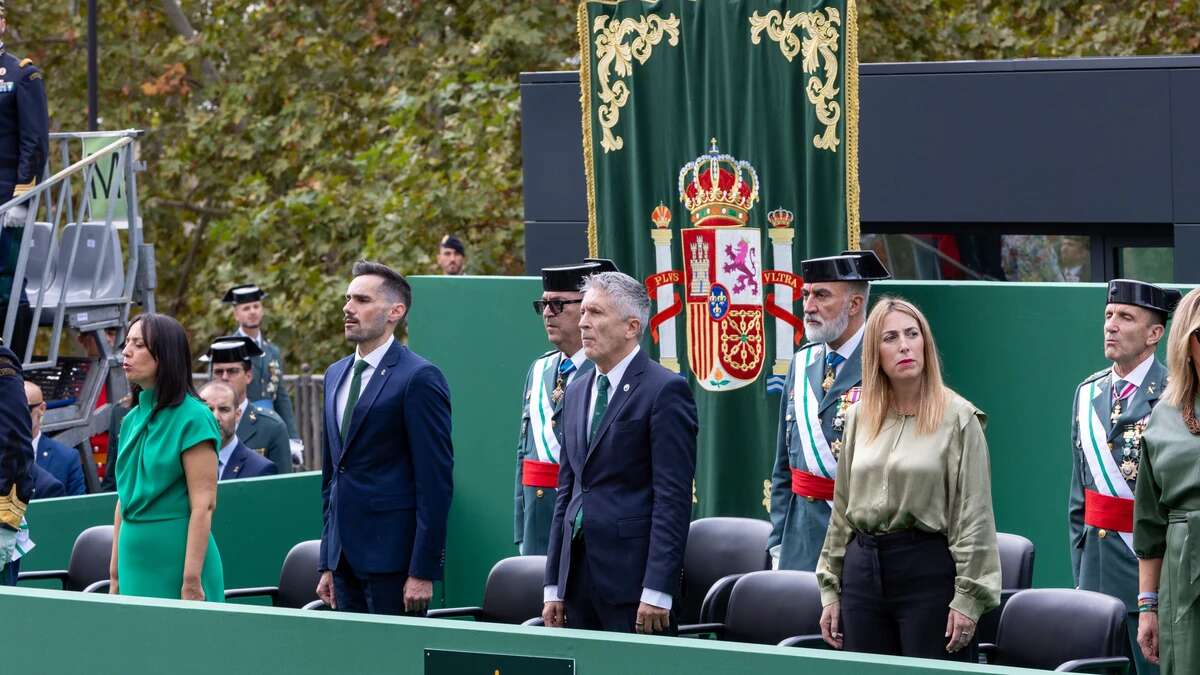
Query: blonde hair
point(877, 393)
point(1181, 376)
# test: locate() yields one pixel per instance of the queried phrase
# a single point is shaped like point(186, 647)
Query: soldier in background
point(824, 380)
point(542, 403)
point(259, 428)
point(1110, 412)
point(452, 256)
point(266, 389)
point(24, 146)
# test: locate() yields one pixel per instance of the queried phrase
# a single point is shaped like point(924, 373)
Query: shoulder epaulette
point(26, 62)
point(268, 413)
point(1095, 376)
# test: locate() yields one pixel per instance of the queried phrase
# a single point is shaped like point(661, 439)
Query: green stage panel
point(144, 637)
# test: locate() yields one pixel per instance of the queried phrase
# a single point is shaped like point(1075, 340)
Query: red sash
point(539, 474)
point(811, 485)
point(1110, 513)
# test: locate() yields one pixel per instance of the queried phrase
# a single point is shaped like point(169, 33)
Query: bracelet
point(1148, 595)
point(1147, 608)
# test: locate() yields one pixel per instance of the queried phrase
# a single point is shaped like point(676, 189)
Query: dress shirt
point(1135, 377)
point(223, 455)
point(257, 340)
point(847, 348)
point(242, 410)
point(373, 360)
point(649, 595)
point(578, 358)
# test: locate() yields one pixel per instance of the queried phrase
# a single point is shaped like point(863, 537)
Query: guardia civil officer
point(1109, 415)
point(24, 145)
point(259, 428)
point(541, 413)
point(16, 456)
point(824, 379)
point(266, 389)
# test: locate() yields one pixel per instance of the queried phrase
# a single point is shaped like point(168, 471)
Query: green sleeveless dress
point(154, 499)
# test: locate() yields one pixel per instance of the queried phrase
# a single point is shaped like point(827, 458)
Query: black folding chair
point(1016, 574)
point(719, 551)
point(298, 580)
point(1061, 629)
point(87, 570)
point(771, 607)
point(513, 593)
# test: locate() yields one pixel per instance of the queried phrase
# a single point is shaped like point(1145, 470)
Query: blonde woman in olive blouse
point(910, 559)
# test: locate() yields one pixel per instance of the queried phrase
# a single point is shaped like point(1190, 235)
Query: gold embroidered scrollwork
point(819, 46)
point(613, 55)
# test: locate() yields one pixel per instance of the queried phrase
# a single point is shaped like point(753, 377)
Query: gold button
point(540, 492)
point(1110, 445)
point(1102, 534)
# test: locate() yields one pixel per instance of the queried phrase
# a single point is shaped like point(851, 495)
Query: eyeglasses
point(556, 306)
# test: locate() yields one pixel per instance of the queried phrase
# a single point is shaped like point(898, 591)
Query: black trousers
point(369, 593)
point(586, 609)
point(896, 593)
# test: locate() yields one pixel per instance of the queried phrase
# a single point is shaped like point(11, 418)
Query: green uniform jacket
point(1103, 562)
point(1167, 525)
point(267, 388)
point(797, 524)
point(533, 508)
point(263, 432)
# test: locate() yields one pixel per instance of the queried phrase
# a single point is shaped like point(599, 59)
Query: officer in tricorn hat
point(824, 379)
point(266, 389)
point(545, 385)
point(1109, 415)
point(258, 427)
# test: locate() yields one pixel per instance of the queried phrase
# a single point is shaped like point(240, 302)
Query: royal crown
point(780, 217)
point(661, 216)
point(718, 189)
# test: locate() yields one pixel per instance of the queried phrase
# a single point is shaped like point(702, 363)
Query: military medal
point(827, 383)
point(836, 448)
point(1129, 469)
point(1116, 412)
point(557, 394)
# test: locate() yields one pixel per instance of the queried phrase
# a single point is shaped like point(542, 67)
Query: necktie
point(597, 417)
point(832, 361)
point(566, 368)
point(352, 400)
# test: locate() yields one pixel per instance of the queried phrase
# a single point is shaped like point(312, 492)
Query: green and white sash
point(541, 410)
point(1106, 475)
point(24, 543)
point(817, 455)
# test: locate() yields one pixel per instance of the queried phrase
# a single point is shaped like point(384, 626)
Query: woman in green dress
point(1166, 527)
point(166, 470)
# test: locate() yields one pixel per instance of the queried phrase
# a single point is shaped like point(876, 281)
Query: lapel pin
point(625, 388)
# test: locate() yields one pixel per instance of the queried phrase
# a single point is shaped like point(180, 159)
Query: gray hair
point(628, 295)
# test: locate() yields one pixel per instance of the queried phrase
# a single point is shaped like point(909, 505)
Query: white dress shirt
point(257, 340)
point(615, 375)
point(224, 453)
point(373, 360)
point(847, 348)
point(578, 358)
point(1135, 377)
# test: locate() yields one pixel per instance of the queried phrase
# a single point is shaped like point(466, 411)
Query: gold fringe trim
point(585, 105)
point(852, 188)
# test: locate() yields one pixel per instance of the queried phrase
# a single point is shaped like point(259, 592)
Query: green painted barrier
point(143, 636)
point(1015, 350)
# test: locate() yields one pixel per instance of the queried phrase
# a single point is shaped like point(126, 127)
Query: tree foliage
point(288, 139)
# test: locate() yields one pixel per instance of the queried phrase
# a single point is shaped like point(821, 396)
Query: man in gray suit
point(824, 379)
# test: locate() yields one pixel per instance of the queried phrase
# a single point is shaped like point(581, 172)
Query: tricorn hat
point(849, 266)
point(605, 264)
point(233, 349)
point(243, 294)
point(1142, 294)
point(567, 278)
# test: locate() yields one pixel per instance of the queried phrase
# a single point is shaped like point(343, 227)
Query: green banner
point(720, 145)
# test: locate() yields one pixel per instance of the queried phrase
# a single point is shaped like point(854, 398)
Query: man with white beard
point(825, 378)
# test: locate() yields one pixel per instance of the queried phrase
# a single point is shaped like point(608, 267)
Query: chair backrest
point(1046, 627)
point(766, 607)
point(717, 547)
point(299, 576)
point(513, 593)
point(92, 243)
point(90, 557)
point(39, 257)
point(1016, 561)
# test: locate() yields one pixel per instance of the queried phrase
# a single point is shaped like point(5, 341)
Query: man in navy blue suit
point(234, 459)
point(386, 478)
point(625, 475)
point(58, 460)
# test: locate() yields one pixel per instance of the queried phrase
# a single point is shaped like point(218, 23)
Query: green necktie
point(597, 417)
point(352, 400)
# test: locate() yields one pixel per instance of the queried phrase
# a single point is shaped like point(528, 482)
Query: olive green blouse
point(150, 480)
point(937, 482)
